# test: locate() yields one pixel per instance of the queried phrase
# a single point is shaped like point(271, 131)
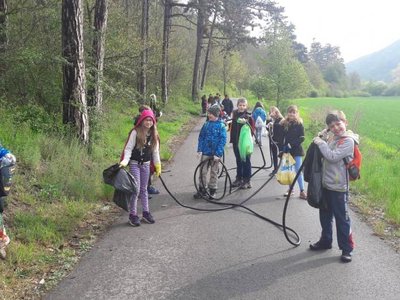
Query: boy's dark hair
point(335, 116)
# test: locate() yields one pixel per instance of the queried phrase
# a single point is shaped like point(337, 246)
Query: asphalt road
point(229, 254)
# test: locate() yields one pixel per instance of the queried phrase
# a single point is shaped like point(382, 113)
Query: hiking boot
point(303, 195)
point(201, 193)
point(148, 218)
point(134, 220)
point(320, 246)
point(152, 190)
point(346, 257)
point(212, 193)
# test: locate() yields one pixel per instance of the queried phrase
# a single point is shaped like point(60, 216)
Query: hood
point(353, 135)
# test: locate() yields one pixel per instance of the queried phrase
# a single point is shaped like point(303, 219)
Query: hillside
point(378, 65)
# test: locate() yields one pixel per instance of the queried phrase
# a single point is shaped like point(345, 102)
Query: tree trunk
point(165, 48)
point(74, 96)
point(200, 32)
point(95, 92)
point(3, 26)
point(206, 59)
point(144, 53)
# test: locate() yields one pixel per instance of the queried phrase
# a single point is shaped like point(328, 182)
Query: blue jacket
point(212, 138)
point(259, 112)
point(3, 151)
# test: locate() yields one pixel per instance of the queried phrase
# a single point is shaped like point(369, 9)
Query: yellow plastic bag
point(287, 171)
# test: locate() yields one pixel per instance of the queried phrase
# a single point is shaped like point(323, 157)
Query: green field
point(376, 120)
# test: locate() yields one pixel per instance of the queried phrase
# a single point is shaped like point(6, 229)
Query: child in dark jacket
point(239, 118)
point(293, 131)
point(275, 135)
point(211, 143)
point(335, 182)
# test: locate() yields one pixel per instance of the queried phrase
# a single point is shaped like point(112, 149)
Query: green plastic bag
point(245, 142)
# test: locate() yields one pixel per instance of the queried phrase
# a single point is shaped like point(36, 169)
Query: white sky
point(358, 27)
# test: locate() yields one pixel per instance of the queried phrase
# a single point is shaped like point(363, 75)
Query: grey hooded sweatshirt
point(334, 172)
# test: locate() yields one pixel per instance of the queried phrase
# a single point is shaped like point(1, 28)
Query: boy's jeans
point(337, 207)
point(213, 166)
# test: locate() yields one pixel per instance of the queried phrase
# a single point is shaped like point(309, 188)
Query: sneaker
point(287, 193)
point(346, 257)
point(320, 246)
point(237, 183)
point(200, 194)
point(152, 190)
point(212, 193)
point(148, 218)
point(3, 253)
point(303, 195)
point(134, 220)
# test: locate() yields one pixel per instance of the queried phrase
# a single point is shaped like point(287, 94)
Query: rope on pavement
point(228, 205)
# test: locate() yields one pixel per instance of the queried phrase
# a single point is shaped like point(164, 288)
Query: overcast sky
point(358, 27)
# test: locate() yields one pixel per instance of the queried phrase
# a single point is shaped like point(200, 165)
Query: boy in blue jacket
point(6, 160)
point(211, 143)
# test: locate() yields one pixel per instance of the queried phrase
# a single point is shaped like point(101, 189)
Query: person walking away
point(275, 130)
point(293, 137)
point(211, 143)
point(203, 105)
point(240, 116)
point(7, 160)
point(260, 117)
point(142, 145)
point(335, 182)
point(228, 106)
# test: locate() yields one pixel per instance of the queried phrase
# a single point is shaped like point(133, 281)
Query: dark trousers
point(274, 152)
point(243, 170)
point(338, 208)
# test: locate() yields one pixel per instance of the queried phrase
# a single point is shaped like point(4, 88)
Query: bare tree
point(95, 92)
point(74, 96)
point(165, 48)
point(3, 25)
point(145, 52)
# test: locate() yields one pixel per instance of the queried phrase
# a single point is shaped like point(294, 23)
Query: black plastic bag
point(124, 183)
point(122, 199)
point(313, 175)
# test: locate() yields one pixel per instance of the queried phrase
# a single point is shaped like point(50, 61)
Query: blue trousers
point(300, 179)
point(243, 170)
point(338, 208)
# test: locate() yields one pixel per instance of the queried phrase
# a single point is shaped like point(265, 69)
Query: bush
point(313, 94)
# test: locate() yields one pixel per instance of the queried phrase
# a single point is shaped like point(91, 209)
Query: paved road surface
point(229, 254)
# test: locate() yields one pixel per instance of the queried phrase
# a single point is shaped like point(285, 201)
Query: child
point(212, 139)
point(152, 190)
point(293, 137)
point(275, 134)
point(260, 117)
point(141, 146)
point(335, 182)
point(203, 105)
point(239, 118)
point(6, 160)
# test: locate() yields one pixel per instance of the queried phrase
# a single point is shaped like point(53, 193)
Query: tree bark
point(95, 92)
point(3, 26)
point(74, 96)
point(165, 48)
point(144, 53)
point(200, 31)
point(207, 58)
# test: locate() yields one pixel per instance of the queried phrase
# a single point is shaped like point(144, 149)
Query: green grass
point(375, 119)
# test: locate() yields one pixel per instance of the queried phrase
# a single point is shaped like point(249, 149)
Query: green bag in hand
point(245, 142)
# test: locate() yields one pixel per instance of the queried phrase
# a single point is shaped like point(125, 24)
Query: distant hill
point(378, 65)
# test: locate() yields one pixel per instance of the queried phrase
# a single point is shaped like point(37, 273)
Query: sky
point(357, 27)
